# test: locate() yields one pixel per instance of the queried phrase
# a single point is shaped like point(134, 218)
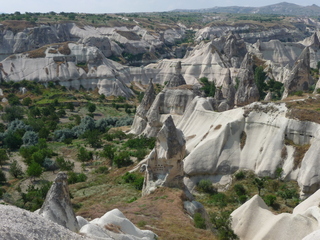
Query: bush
point(15, 169)
point(134, 179)
point(199, 221)
point(34, 197)
point(240, 175)
point(76, 177)
point(3, 156)
point(12, 113)
point(219, 199)
point(3, 178)
point(221, 221)
point(49, 165)
point(91, 107)
point(34, 170)
point(84, 155)
point(205, 186)
point(102, 170)
point(30, 138)
point(141, 142)
point(108, 152)
point(61, 135)
point(64, 165)
point(239, 189)
point(122, 159)
point(269, 199)
point(12, 140)
point(87, 123)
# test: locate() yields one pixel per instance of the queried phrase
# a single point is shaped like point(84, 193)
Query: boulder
point(17, 223)
point(57, 206)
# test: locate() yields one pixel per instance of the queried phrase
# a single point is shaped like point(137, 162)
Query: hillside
point(283, 8)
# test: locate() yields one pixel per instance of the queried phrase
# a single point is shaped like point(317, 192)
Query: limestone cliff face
point(252, 137)
point(57, 207)
point(164, 164)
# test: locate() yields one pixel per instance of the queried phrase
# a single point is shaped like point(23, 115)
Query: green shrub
point(239, 189)
point(199, 221)
point(221, 221)
point(240, 175)
point(269, 199)
point(15, 169)
point(122, 159)
point(102, 169)
point(141, 142)
point(3, 178)
point(64, 165)
point(219, 199)
point(34, 197)
point(135, 179)
point(205, 186)
point(84, 155)
point(76, 177)
point(34, 170)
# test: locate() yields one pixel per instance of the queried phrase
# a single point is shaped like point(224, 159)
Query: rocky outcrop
point(177, 79)
point(246, 222)
point(252, 137)
point(114, 225)
point(57, 206)
point(140, 118)
point(17, 223)
point(299, 78)
point(247, 91)
point(74, 65)
point(164, 163)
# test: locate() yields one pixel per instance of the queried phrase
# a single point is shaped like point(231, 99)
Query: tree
point(84, 155)
point(30, 138)
point(108, 152)
point(13, 140)
point(209, 88)
point(3, 178)
point(259, 77)
point(259, 182)
point(70, 106)
point(122, 159)
point(12, 113)
point(26, 101)
point(91, 107)
point(3, 156)
point(15, 169)
point(34, 170)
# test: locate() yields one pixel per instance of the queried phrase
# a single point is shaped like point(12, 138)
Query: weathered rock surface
point(57, 206)
point(140, 118)
point(252, 138)
point(164, 164)
point(114, 225)
point(299, 78)
point(253, 220)
point(247, 91)
point(16, 223)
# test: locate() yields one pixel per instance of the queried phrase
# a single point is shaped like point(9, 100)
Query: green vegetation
point(209, 88)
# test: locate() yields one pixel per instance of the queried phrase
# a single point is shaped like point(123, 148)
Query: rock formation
point(16, 223)
point(252, 137)
point(164, 163)
point(114, 225)
point(253, 220)
point(247, 91)
point(299, 78)
point(177, 78)
point(140, 118)
point(57, 206)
